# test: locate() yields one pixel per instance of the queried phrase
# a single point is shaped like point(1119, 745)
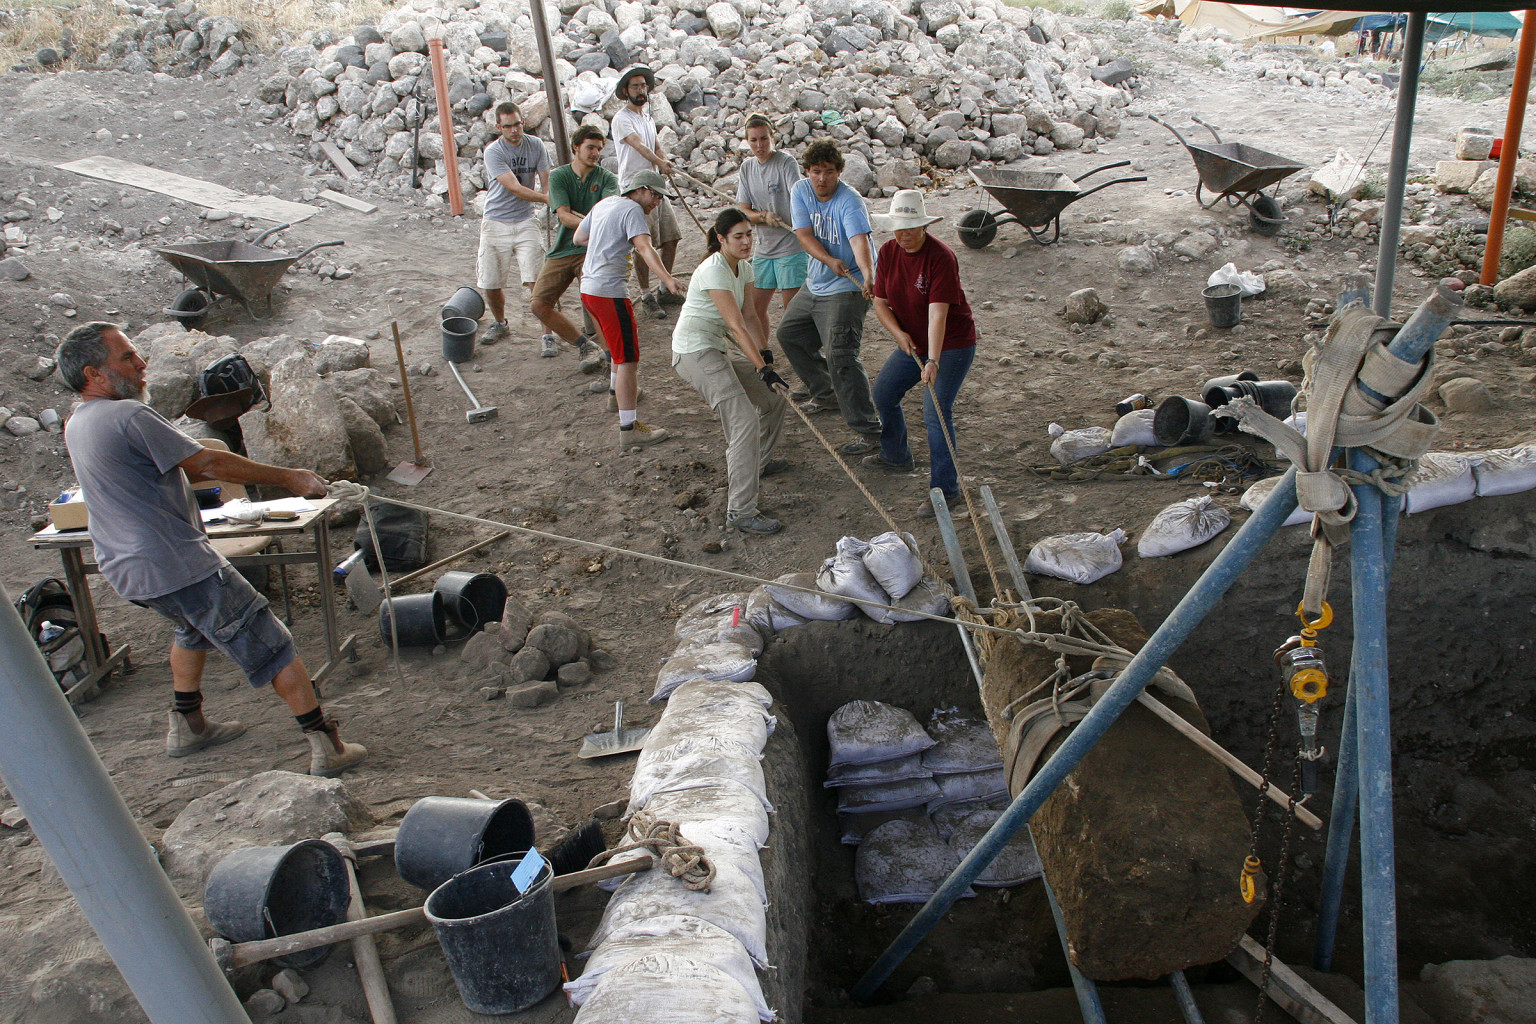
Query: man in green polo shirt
point(573, 190)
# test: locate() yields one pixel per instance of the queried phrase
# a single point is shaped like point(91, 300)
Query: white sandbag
point(1183, 525)
point(960, 744)
point(1075, 445)
point(1079, 557)
point(966, 787)
point(700, 692)
point(1443, 478)
point(664, 988)
point(1016, 864)
point(893, 564)
point(767, 616)
point(928, 597)
point(727, 801)
point(673, 935)
point(731, 903)
point(691, 765)
point(728, 626)
point(740, 718)
point(716, 659)
point(705, 614)
point(1248, 281)
point(818, 604)
point(1254, 496)
point(1505, 471)
point(903, 862)
point(897, 769)
point(885, 797)
point(1297, 421)
point(1134, 428)
point(854, 827)
point(866, 731)
point(845, 575)
point(948, 818)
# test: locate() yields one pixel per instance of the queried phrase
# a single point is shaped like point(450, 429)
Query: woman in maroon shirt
point(918, 298)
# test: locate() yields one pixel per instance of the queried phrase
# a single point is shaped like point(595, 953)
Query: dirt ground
point(550, 460)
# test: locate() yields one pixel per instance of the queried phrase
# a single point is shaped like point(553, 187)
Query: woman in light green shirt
point(738, 382)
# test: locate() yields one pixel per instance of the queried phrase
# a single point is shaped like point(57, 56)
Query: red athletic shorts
point(616, 319)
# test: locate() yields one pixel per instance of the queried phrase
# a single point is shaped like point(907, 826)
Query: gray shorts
point(225, 613)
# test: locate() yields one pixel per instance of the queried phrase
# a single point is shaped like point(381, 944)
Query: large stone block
point(304, 428)
point(1458, 175)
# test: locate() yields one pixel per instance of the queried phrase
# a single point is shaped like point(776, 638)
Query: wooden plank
point(348, 201)
point(337, 157)
point(193, 190)
point(1519, 214)
point(1286, 987)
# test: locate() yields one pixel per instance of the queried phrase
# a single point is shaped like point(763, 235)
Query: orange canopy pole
point(1505, 182)
point(445, 121)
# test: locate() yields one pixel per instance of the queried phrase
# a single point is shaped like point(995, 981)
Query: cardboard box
point(69, 515)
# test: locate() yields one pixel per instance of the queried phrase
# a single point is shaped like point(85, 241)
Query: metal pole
point(1341, 834)
point(1190, 611)
point(1513, 123)
point(61, 785)
point(1088, 1003)
point(1397, 171)
point(445, 127)
point(551, 83)
point(1186, 998)
point(1369, 681)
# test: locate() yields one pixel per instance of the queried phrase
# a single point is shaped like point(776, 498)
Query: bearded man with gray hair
point(135, 470)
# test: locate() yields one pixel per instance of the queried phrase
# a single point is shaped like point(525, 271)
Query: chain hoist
point(1305, 673)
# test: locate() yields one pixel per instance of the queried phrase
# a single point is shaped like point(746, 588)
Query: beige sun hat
point(908, 210)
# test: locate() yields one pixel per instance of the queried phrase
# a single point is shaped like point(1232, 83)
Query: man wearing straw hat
point(634, 139)
point(918, 299)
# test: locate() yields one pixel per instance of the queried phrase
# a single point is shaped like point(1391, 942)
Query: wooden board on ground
point(193, 190)
point(348, 201)
point(337, 157)
point(1287, 988)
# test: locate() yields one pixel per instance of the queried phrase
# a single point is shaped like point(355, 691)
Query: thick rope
point(664, 840)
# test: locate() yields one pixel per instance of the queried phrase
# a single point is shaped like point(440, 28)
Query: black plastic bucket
point(441, 836)
point(420, 619)
point(1180, 420)
point(476, 599)
point(501, 945)
point(464, 302)
point(1223, 304)
point(1273, 396)
point(1228, 380)
point(262, 892)
point(459, 339)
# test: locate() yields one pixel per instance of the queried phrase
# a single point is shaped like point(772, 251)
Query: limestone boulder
point(1466, 394)
point(1518, 289)
point(515, 623)
point(370, 389)
point(304, 428)
point(1499, 991)
point(369, 451)
point(270, 809)
point(560, 643)
point(339, 352)
point(857, 173)
point(1084, 307)
point(1137, 259)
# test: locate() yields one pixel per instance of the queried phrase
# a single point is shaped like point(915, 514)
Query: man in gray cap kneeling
point(634, 138)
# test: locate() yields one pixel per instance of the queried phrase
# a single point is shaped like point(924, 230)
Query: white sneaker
point(551, 347)
point(498, 331)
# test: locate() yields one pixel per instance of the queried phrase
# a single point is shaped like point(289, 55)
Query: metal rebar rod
point(1397, 169)
point(1202, 598)
point(1373, 727)
point(88, 832)
point(952, 546)
point(1514, 121)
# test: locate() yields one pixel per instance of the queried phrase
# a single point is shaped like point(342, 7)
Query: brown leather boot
point(180, 740)
point(329, 754)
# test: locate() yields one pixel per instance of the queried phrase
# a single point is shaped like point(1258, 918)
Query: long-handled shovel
point(408, 473)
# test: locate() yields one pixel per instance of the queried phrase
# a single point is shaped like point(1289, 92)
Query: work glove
point(772, 380)
point(767, 354)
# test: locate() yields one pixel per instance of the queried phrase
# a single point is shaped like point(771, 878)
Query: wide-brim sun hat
point(908, 210)
point(631, 72)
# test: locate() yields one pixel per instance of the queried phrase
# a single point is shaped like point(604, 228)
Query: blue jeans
point(901, 374)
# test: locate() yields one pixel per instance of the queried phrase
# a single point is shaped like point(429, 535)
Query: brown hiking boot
point(180, 740)
point(641, 436)
point(329, 754)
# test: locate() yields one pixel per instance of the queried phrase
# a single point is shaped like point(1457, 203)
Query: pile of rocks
point(329, 406)
point(178, 39)
point(530, 660)
point(904, 85)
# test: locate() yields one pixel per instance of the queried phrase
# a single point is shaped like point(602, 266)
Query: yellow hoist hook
point(1248, 883)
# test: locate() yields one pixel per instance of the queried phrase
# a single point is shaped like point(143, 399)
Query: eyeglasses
point(514, 124)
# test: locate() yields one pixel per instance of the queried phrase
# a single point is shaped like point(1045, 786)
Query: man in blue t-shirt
point(832, 224)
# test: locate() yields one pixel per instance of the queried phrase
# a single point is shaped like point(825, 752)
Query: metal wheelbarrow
point(1238, 174)
point(228, 271)
point(1033, 199)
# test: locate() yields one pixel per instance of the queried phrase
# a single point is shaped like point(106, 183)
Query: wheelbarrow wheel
point(977, 228)
point(1265, 216)
point(191, 308)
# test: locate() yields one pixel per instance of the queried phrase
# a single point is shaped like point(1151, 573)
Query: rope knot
point(664, 840)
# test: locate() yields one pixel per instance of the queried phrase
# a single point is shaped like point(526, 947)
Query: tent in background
point(1241, 22)
point(1323, 23)
point(1499, 24)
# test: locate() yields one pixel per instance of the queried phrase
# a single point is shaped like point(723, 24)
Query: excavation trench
point(1462, 633)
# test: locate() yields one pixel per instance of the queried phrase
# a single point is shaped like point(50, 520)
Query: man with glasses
point(509, 238)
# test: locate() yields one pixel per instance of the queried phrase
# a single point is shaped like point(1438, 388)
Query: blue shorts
point(784, 272)
point(225, 613)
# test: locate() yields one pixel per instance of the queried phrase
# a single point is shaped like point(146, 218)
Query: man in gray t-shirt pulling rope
point(134, 469)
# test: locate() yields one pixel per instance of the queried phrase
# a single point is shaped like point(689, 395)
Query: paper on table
point(210, 515)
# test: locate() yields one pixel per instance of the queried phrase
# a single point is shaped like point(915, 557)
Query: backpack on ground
point(48, 612)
